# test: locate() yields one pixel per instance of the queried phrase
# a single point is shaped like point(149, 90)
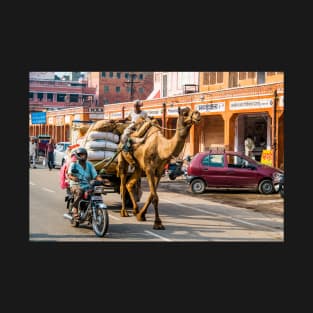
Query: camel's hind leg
point(130, 187)
point(122, 173)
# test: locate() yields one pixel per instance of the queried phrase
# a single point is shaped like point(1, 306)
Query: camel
point(151, 156)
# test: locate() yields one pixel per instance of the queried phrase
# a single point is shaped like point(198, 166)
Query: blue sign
point(38, 117)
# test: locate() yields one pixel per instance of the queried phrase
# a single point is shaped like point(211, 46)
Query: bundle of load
point(101, 141)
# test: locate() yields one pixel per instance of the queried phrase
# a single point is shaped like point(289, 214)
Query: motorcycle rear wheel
point(100, 222)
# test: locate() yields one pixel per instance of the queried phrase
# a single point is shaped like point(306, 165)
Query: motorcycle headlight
point(101, 206)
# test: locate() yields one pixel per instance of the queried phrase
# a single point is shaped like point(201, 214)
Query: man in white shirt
point(126, 142)
point(249, 146)
point(32, 151)
point(133, 117)
point(137, 112)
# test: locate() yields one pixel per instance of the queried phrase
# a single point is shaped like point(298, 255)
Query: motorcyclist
point(80, 173)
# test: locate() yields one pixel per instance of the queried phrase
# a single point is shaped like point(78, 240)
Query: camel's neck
point(177, 142)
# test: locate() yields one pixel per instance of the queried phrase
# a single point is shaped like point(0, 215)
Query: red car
point(229, 169)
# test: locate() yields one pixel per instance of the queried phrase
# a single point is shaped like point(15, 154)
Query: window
point(30, 96)
point(213, 160)
point(111, 74)
point(102, 74)
point(251, 74)
point(49, 96)
point(40, 96)
point(61, 97)
point(261, 78)
point(118, 89)
point(106, 88)
point(212, 78)
point(73, 98)
point(141, 76)
point(140, 89)
point(118, 74)
point(126, 75)
point(105, 101)
point(236, 161)
point(220, 77)
point(242, 75)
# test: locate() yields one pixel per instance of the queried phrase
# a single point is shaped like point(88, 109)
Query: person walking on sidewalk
point(50, 154)
point(32, 151)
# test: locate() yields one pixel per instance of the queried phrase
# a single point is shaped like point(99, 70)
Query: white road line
point(220, 215)
point(156, 235)
point(31, 183)
point(46, 189)
point(114, 217)
point(264, 201)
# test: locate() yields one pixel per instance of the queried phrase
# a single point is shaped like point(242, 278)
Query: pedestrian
point(249, 146)
point(50, 153)
point(32, 151)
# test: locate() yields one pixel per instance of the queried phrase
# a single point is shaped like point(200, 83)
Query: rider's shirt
point(134, 116)
point(84, 175)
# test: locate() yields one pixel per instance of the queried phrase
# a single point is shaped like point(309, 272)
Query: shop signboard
point(267, 157)
point(38, 117)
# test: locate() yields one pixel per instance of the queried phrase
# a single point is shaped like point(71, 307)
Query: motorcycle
point(278, 182)
point(177, 169)
point(91, 209)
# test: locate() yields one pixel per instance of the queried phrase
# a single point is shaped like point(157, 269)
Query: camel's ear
point(178, 110)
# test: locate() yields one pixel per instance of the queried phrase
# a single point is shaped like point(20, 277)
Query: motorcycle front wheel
point(100, 222)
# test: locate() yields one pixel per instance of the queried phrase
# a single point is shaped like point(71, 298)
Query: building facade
point(254, 106)
point(50, 94)
point(116, 87)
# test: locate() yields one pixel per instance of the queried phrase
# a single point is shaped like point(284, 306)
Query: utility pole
point(130, 83)
point(275, 127)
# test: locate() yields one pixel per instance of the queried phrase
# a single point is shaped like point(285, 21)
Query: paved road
point(186, 218)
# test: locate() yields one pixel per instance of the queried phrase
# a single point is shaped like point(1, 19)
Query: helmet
point(80, 151)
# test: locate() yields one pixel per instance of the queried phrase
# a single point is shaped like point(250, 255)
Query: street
point(186, 217)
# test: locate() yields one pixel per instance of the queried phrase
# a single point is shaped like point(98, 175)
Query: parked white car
point(60, 153)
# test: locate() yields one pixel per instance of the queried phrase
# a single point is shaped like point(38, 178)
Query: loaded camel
point(151, 157)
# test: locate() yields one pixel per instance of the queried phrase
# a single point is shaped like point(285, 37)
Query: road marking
point(220, 215)
point(114, 217)
point(46, 189)
point(31, 183)
point(265, 201)
point(156, 235)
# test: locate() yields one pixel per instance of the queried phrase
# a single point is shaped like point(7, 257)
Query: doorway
point(257, 126)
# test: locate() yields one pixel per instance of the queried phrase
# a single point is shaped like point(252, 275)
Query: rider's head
point(81, 154)
point(137, 105)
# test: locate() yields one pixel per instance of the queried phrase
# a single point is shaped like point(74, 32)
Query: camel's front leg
point(153, 197)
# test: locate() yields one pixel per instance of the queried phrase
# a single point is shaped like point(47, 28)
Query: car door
point(212, 169)
point(240, 172)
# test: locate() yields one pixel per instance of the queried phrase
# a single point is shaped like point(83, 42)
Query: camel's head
point(188, 116)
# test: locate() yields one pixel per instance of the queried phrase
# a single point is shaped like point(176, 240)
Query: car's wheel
point(197, 186)
point(266, 187)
